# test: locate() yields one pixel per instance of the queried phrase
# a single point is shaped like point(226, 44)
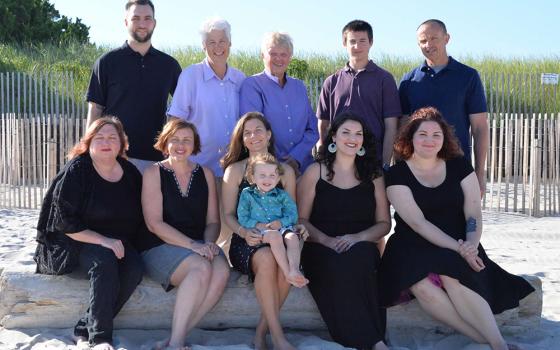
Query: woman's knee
point(450, 283)
point(425, 290)
point(263, 261)
point(194, 267)
point(220, 269)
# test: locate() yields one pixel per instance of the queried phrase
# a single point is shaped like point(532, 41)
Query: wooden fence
point(39, 122)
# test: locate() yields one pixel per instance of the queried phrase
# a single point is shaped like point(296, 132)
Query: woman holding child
point(342, 202)
point(181, 208)
point(435, 253)
point(249, 251)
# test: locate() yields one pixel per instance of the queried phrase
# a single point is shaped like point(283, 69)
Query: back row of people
point(134, 82)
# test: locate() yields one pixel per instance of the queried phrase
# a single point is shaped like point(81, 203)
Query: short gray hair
point(273, 39)
point(215, 23)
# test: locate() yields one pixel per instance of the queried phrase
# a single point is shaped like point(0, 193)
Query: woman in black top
point(181, 208)
point(342, 202)
point(90, 216)
point(435, 253)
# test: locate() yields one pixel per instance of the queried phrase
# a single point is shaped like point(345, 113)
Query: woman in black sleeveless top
point(252, 135)
point(181, 208)
point(342, 201)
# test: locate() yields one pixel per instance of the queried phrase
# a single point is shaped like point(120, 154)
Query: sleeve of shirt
point(462, 167)
point(324, 103)
point(97, 89)
point(289, 210)
point(391, 102)
point(310, 136)
point(476, 99)
point(250, 97)
point(69, 197)
point(244, 210)
point(181, 104)
point(176, 74)
point(403, 95)
point(396, 175)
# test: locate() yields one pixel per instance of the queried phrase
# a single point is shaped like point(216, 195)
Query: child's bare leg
point(293, 248)
point(274, 238)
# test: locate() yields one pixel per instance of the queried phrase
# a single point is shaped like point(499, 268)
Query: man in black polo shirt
point(133, 83)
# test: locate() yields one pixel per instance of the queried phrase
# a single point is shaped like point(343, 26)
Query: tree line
point(38, 21)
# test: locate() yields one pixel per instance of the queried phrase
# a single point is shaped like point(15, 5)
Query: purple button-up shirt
point(212, 105)
point(289, 112)
point(370, 94)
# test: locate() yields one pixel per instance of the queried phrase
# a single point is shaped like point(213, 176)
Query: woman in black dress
point(435, 253)
point(342, 202)
point(89, 218)
point(181, 208)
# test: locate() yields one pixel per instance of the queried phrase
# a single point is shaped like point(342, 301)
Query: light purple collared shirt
point(289, 112)
point(212, 105)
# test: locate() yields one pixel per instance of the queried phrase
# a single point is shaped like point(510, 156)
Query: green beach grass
point(78, 59)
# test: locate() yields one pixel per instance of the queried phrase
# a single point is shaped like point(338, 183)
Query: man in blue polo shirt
point(133, 83)
point(453, 88)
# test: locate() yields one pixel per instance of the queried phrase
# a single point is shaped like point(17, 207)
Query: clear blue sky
point(514, 28)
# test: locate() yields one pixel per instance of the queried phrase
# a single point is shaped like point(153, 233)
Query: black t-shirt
point(135, 89)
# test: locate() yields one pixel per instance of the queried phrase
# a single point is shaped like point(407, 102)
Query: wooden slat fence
point(40, 121)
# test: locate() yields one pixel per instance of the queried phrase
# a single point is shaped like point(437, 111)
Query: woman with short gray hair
point(284, 102)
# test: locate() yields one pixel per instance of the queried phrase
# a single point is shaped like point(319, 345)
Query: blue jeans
point(111, 283)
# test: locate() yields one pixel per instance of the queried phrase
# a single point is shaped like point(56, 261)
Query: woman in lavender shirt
point(284, 102)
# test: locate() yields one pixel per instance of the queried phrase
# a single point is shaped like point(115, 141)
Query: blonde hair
point(273, 39)
point(259, 159)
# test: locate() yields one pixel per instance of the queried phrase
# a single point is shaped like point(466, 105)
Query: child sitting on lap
point(272, 211)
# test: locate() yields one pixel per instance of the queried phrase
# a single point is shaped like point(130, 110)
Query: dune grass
point(77, 59)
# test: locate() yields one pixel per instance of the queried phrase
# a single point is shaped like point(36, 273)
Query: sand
point(520, 244)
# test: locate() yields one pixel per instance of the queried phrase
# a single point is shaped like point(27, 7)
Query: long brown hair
point(403, 144)
point(236, 150)
point(82, 147)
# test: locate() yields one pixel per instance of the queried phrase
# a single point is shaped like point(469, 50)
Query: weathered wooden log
point(29, 300)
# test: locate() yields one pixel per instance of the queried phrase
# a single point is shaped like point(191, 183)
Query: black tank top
point(186, 212)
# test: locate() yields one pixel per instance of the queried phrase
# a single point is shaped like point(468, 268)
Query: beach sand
point(520, 244)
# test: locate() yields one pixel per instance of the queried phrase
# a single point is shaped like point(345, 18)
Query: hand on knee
point(272, 237)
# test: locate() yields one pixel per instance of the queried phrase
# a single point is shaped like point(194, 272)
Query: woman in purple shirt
point(284, 102)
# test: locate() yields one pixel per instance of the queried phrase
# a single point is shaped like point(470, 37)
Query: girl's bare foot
point(297, 279)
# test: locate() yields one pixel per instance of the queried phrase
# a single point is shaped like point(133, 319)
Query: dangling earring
point(245, 149)
point(332, 147)
point(361, 151)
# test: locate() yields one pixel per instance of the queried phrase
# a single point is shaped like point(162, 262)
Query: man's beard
point(140, 39)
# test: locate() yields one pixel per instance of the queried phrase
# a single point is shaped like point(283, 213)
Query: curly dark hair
point(368, 166)
point(403, 144)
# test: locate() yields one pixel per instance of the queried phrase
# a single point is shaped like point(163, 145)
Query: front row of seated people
point(102, 217)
